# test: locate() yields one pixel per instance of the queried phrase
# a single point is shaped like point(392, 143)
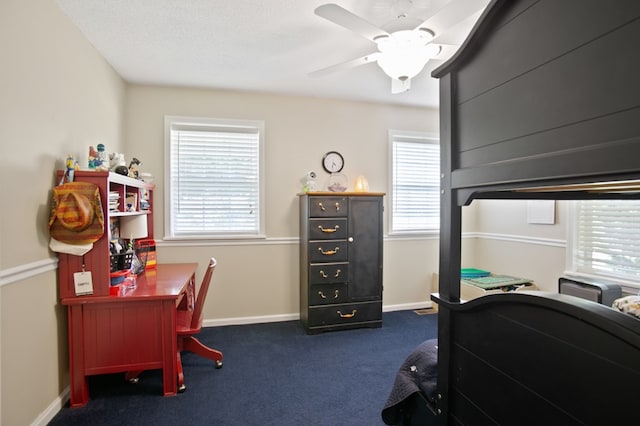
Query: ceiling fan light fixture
point(404, 44)
point(405, 53)
point(426, 32)
point(400, 86)
point(401, 67)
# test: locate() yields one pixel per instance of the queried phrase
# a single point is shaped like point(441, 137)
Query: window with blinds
point(215, 178)
point(415, 182)
point(606, 238)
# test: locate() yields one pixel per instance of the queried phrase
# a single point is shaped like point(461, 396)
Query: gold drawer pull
point(335, 295)
point(323, 209)
point(329, 230)
point(329, 252)
point(351, 315)
point(323, 274)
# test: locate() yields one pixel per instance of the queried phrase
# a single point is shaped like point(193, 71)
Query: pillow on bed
point(418, 373)
point(628, 305)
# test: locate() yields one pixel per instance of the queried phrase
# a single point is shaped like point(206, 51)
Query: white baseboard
point(296, 316)
point(250, 320)
point(408, 306)
point(54, 408)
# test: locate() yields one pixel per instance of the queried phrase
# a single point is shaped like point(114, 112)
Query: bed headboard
point(541, 101)
point(544, 93)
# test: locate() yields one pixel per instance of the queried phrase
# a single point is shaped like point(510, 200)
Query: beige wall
point(58, 96)
point(299, 131)
point(507, 244)
point(261, 278)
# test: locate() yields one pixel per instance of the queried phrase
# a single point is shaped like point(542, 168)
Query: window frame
point(424, 137)
point(215, 124)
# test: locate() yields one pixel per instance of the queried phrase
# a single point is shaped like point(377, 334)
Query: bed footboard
point(537, 358)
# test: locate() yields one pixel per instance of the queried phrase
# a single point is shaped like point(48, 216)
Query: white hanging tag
point(83, 283)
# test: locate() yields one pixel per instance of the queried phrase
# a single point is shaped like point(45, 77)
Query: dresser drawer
point(328, 229)
point(323, 294)
point(328, 273)
point(349, 313)
point(328, 206)
point(328, 251)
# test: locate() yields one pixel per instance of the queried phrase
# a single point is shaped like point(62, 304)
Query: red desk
point(131, 332)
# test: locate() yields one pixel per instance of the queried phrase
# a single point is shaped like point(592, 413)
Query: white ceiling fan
point(406, 44)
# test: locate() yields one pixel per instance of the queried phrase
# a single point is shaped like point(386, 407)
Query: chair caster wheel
point(218, 364)
point(134, 380)
point(182, 388)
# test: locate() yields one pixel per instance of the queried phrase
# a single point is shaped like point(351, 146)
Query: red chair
point(189, 323)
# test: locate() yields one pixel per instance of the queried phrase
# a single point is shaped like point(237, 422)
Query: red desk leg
point(169, 348)
point(77, 379)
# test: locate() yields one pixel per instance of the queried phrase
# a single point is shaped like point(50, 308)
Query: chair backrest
point(196, 319)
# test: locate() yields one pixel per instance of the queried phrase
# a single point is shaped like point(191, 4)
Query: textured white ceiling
point(257, 45)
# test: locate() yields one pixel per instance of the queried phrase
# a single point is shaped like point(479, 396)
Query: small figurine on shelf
point(98, 159)
point(116, 159)
point(118, 164)
point(102, 163)
point(93, 158)
point(309, 182)
point(133, 168)
point(71, 164)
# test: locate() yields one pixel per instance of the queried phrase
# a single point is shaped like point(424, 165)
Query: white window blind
point(606, 238)
point(214, 178)
point(415, 182)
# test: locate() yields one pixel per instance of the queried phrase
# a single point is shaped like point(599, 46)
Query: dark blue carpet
point(273, 374)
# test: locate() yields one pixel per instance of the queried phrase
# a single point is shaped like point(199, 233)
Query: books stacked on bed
point(486, 280)
point(497, 281)
point(468, 273)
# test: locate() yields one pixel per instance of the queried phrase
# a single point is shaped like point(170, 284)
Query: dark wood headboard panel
point(587, 348)
point(541, 101)
point(545, 91)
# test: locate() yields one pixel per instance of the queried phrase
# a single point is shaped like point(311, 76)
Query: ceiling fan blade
point(457, 33)
point(348, 20)
point(451, 14)
point(345, 65)
point(446, 51)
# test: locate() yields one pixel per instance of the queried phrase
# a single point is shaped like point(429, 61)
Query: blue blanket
point(418, 373)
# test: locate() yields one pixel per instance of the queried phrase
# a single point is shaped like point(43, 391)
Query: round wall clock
point(333, 162)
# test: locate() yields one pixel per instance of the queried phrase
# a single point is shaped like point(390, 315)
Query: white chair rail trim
point(28, 270)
